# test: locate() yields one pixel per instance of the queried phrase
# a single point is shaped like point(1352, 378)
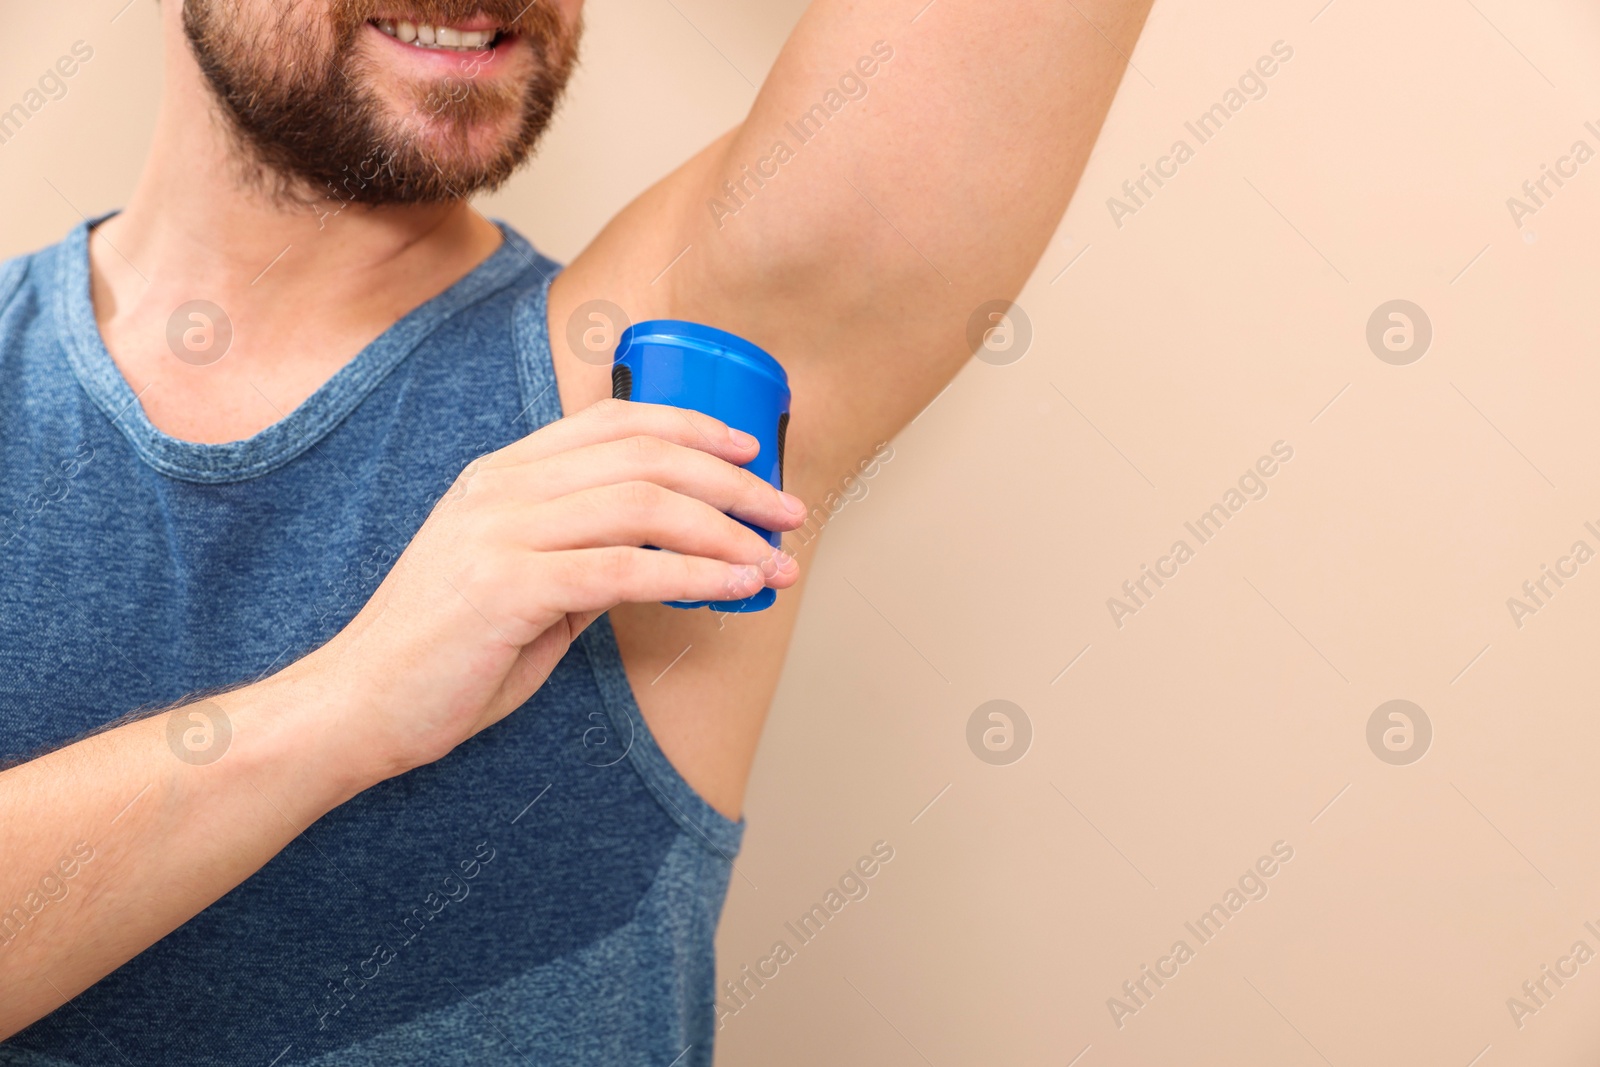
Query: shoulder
point(511, 304)
point(519, 280)
point(14, 273)
point(29, 284)
point(527, 271)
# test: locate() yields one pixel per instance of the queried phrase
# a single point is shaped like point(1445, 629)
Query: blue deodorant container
point(687, 365)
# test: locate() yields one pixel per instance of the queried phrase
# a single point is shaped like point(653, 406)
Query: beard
point(304, 103)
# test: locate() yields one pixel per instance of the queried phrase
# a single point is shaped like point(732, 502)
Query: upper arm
point(893, 175)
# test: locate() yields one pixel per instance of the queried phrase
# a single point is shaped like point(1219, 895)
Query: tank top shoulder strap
point(530, 327)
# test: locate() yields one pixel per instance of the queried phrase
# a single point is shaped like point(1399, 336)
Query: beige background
point(1231, 711)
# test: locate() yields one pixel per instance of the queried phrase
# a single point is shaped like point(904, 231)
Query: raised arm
point(904, 163)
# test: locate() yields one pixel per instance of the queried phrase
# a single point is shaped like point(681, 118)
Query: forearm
point(528, 548)
point(111, 843)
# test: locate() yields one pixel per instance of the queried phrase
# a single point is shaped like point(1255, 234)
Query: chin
point(464, 153)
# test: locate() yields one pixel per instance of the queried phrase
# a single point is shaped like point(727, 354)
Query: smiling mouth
point(440, 38)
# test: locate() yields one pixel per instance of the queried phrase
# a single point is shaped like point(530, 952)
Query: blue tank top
point(547, 893)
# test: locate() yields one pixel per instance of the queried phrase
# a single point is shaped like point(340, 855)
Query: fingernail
point(795, 505)
point(745, 574)
point(784, 561)
point(740, 438)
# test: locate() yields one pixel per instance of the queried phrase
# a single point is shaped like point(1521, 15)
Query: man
point(346, 723)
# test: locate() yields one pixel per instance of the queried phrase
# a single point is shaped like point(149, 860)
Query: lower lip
point(463, 63)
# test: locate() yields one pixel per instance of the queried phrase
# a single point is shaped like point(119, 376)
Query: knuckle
point(616, 564)
point(550, 577)
point(463, 481)
point(478, 577)
point(762, 557)
point(502, 529)
point(749, 485)
point(641, 496)
point(687, 568)
point(569, 572)
point(478, 480)
point(609, 409)
point(648, 451)
point(707, 426)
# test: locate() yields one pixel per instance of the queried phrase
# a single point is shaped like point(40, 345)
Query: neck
point(304, 284)
point(199, 225)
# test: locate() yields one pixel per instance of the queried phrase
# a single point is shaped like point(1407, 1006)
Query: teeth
point(428, 36)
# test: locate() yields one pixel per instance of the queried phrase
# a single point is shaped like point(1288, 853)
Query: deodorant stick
point(688, 365)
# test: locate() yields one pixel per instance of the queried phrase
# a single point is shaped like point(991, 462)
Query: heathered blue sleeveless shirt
point(547, 893)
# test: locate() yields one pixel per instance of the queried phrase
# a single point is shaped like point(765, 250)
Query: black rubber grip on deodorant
point(783, 429)
point(621, 382)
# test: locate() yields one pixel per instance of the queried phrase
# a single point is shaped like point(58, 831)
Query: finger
point(644, 513)
point(648, 459)
point(613, 420)
point(596, 579)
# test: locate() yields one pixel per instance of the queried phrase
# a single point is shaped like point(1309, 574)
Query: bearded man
point(345, 721)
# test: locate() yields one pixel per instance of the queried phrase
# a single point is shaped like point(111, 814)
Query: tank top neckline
point(300, 429)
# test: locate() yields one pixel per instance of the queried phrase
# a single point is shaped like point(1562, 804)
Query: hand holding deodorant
point(687, 365)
